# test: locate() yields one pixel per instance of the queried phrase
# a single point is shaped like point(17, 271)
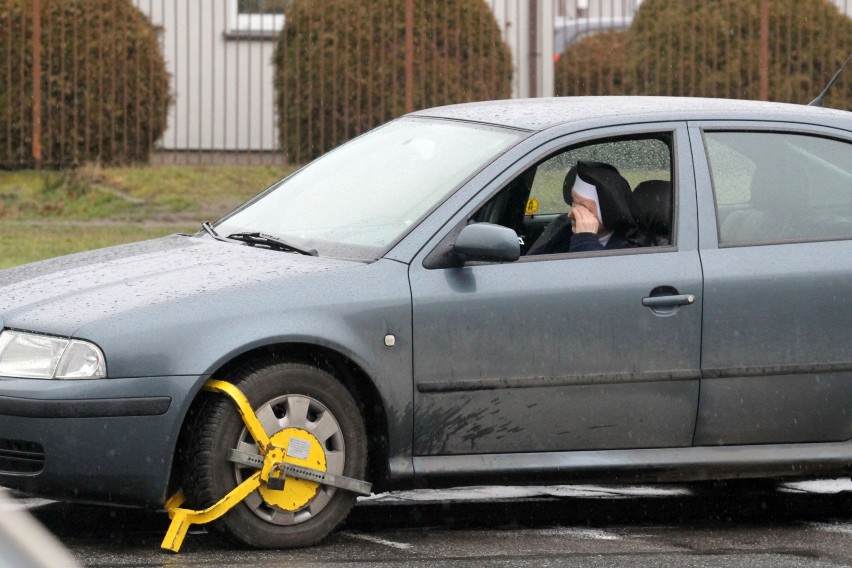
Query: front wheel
point(295, 403)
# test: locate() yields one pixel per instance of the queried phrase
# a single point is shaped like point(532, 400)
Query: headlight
point(32, 356)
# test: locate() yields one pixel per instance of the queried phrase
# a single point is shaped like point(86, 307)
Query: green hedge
point(341, 65)
point(711, 48)
point(595, 65)
point(105, 88)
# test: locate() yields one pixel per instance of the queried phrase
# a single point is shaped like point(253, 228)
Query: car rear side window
point(775, 187)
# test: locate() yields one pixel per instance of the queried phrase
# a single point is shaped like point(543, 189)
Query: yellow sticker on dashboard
point(532, 205)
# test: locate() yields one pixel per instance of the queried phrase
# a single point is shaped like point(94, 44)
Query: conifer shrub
point(712, 48)
point(594, 65)
point(105, 87)
point(341, 66)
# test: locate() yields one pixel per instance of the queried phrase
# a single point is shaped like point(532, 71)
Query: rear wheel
point(291, 401)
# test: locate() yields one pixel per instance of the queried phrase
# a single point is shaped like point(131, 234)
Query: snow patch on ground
point(842, 528)
point(23, 503)
point(575, 532)
point(514, 492)
point(377, 540)
point(618, 491)
point(517, 492)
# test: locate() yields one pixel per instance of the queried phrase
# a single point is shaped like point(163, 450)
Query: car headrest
point(652, 207)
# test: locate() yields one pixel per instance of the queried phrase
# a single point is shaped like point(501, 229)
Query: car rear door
point(775, 205)
point(558, 352)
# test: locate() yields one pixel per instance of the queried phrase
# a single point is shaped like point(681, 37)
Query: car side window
point(536, 200)
point(637, 160)
point(775, 187)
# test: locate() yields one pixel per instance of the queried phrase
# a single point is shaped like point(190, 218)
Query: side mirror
point(488, 242)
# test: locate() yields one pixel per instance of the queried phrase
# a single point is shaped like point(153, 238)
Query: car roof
point(543, 113)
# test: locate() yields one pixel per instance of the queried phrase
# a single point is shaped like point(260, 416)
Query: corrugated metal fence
point(219, 55)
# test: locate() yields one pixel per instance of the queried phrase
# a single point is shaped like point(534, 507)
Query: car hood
point(60, 295)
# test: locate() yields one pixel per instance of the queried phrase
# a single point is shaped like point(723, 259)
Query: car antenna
point(818, 101)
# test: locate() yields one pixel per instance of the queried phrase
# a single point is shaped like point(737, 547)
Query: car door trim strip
point(561, 381)
point(624, 378)
point(774, 370)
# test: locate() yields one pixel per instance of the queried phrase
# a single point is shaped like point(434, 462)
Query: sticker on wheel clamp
point(298, 449)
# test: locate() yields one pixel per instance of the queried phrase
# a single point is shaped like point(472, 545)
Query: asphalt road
point(749, 525)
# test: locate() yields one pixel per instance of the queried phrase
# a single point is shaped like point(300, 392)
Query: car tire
point(284, 389)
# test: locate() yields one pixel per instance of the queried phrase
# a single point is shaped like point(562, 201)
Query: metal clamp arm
point(299, 472)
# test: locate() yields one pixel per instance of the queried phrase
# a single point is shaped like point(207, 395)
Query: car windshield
point(361, 198)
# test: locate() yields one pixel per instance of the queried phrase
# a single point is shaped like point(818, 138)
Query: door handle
point(668, 301)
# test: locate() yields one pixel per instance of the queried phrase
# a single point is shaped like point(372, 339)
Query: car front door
point(557, 352)
point(775, 208)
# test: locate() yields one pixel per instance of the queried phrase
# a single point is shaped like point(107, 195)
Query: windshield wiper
point(257, 239)
point(264, 240)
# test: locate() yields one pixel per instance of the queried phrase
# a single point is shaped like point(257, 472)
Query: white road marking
point(377, 540)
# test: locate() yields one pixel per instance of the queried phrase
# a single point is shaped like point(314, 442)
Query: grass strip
point(47, 214)
point(22, 242)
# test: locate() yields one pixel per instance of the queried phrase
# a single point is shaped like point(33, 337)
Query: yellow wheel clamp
point(281, 482)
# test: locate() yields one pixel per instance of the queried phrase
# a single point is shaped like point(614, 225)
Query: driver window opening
point(624, 186)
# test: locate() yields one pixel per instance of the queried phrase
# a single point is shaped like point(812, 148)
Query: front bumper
point(106, 440)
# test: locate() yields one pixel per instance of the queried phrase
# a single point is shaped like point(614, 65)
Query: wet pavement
point(742, 524)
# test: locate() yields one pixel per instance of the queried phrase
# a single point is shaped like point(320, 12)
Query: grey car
point(25, 543)
point(381, 317)
point(567, 31)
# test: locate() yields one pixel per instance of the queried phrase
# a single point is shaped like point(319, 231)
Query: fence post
point(532, 40)
point(409, 56)
point(763, 60)
point(37, 82)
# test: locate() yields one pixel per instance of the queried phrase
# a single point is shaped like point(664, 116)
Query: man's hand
point(583, 220)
